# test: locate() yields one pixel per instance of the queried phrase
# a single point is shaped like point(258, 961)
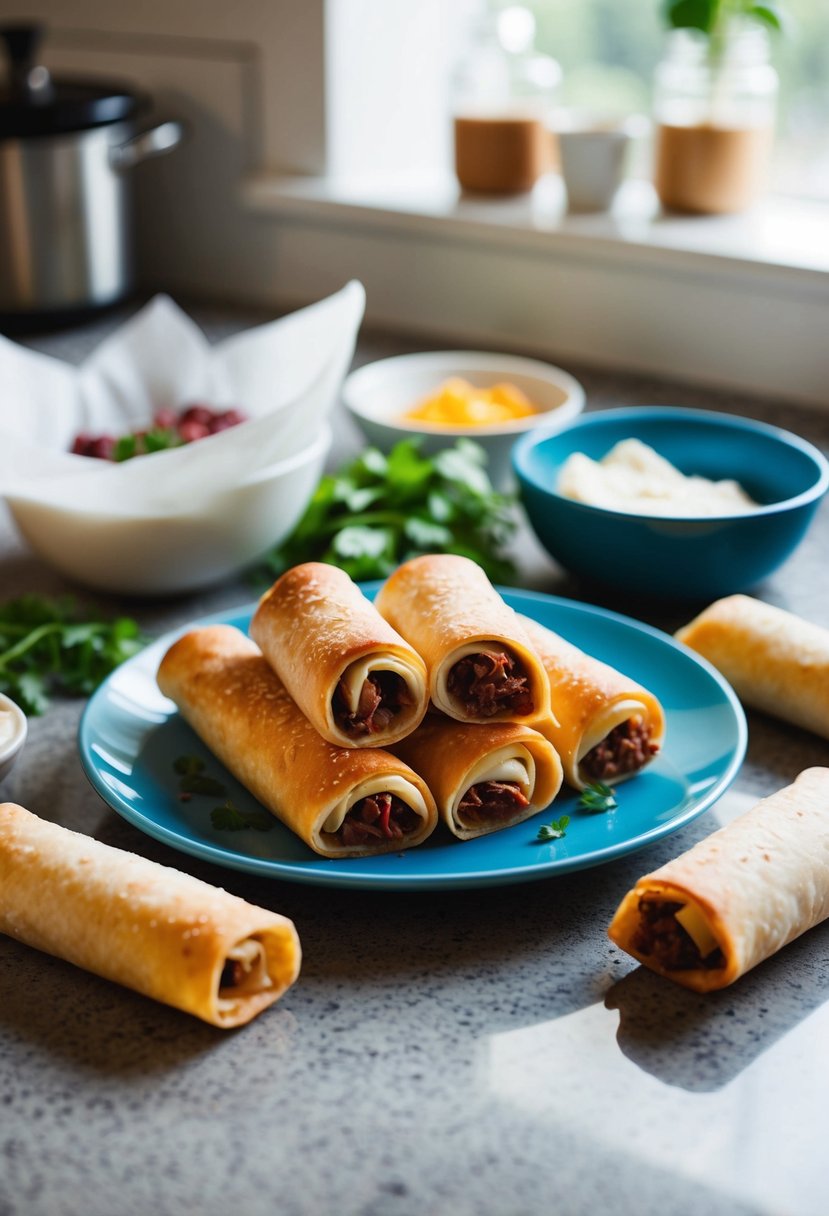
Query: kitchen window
point(609, 50)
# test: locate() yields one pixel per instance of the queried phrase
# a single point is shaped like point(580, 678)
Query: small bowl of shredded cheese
point(442, 396)
point(13, 729)
point(667, 502)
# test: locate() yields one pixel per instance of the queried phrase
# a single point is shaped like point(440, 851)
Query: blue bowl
point(673, 557)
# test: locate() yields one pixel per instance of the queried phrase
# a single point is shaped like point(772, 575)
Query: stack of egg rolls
point(325, 720)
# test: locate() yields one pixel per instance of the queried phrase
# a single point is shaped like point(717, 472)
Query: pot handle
point(155, 142)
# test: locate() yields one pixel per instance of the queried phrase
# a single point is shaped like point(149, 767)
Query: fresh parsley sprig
point(554, 830)
point(225, 818)
point(378, 511)
point(192, 779)
point(50, 645)
point(597, 797)
point(228, 818)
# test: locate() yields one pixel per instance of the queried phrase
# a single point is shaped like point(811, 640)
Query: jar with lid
point(503, 94)
point(715, 99)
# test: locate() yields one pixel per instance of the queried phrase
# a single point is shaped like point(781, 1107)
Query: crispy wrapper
point(240, 708)
point(149, 927)
point(591, 700)
point(324, 640)
point(454, 757)
point(446, 608)
point(775, 661)
point(744, 892)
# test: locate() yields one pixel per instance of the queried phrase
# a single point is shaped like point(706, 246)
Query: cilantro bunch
point(46, 645)
point(378, 511)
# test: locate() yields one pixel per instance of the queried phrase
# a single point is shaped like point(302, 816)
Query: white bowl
point(13, 729)
point(161, 553)
point(380, 393)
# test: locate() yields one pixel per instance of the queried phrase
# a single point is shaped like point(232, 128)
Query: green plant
point(710, 16)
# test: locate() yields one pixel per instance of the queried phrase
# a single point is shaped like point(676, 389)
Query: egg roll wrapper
point(446, 608)
point(591, 698)
point(757, 883)
point(775, 661)
point(238, 706)
point(149, 927)
point(316, 628)
point(451, 756)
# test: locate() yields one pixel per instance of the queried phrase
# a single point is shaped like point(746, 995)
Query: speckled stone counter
point(471, 1052)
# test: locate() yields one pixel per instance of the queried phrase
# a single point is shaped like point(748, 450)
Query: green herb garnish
point(192, 779)
point(228, 818)
point(143, 443)
point(188, 766)
point(554, 830)
point(47, 646)
point(597, 797)
point(378, 511)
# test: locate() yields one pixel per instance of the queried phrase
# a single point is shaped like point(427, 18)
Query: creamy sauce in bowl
point(8, 727)
point(632, 477)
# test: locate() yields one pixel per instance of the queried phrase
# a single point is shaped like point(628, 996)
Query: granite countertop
point(473, 1052)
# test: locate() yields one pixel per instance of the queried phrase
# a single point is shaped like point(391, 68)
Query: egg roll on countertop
point(710, 915)
point(774, 660)
point(146, 926)
point(483, 778)
point(353, 676)
point(480, 663)
point(608, 726)
point(343, 802)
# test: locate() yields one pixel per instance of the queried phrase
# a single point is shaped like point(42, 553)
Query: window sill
point(724, 300)
point(781, 235)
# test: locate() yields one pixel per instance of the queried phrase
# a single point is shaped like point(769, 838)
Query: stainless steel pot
point(67, 149)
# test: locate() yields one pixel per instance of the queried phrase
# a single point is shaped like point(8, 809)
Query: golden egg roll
point(146, 926)
point(775, 661)
point(355, 679)
point(737, 897)
point(483, 778)
point(480, 663)
point(343, 802)
point(608, 727)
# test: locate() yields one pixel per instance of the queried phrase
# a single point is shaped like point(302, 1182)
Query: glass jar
point(715, 99)
point(502, 97)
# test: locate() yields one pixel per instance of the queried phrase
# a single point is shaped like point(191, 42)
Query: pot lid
point(33, 103)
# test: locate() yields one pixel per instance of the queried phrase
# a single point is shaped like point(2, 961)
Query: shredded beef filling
point(382, 696)
point(626, 749)
point(490, 683)
point(660, 936)
point(490, 801)
point(377, 817)
point(233, 973)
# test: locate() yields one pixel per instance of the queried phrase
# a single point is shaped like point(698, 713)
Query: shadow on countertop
point(701, 1042)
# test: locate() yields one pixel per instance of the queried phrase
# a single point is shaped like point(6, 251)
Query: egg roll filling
point(381, 697)
point(626, 749)
point(245, 970)
point(490, 682)
point(661, 937)
point(381, 816)
point(490, 801)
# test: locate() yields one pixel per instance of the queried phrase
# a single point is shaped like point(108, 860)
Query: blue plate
point(131, 735)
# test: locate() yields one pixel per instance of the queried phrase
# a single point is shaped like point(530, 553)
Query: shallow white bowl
point(378, 395)
point(164, 553)
point(11, 743)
